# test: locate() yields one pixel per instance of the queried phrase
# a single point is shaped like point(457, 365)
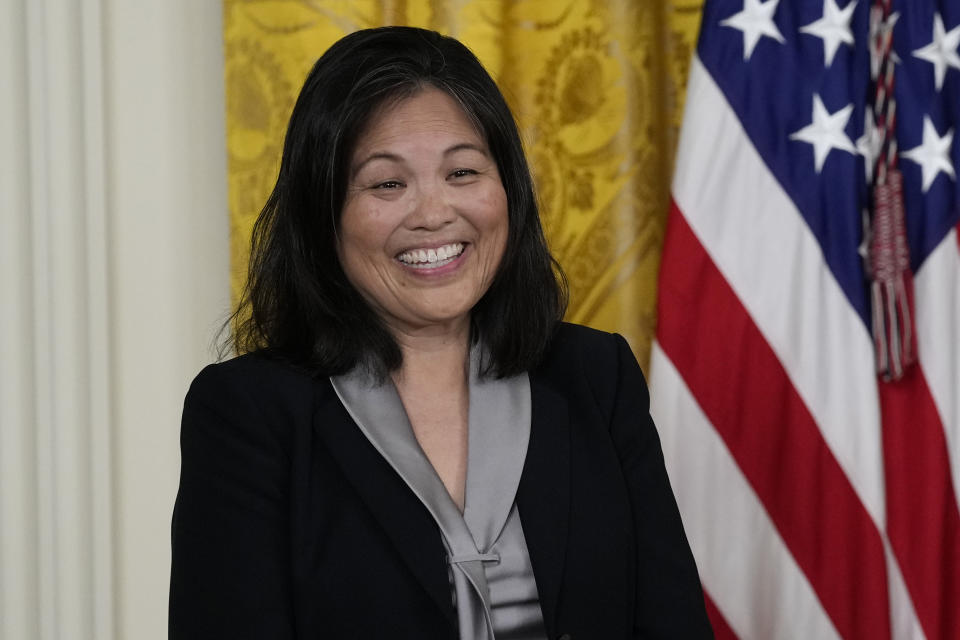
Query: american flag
point(818, 482)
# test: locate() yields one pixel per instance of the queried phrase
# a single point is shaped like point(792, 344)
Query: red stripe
point(923, 522)
point(721, 630)
point(746, 394)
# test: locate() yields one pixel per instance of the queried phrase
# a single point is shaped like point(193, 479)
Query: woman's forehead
point(428, 116)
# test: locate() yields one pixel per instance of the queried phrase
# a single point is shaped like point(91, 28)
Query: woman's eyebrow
point(393, 157)
point(468, 146)
point(377, 155)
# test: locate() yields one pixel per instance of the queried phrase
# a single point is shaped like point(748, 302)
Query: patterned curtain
point(596, 85)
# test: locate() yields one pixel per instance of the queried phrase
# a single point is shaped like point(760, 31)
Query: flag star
point(869, 144)
point(942, 50)
point(826, 132)
point(755, 21)
point(833, 28)
point(933, 154)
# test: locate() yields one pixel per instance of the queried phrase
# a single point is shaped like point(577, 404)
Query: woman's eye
point(389, 184)
point(461, 173)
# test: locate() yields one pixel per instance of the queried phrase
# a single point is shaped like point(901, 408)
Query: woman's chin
point(432, 321)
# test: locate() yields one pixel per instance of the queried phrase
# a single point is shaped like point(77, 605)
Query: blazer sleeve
point(669, 596)
point(230, 575)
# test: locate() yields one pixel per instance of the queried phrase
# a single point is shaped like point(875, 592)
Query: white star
point(869, 144)
point(755, 21)
point(942, 50)
point(833, 28)
point(826, 132)
point(933, 155)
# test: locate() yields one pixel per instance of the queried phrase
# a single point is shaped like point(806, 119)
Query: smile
point(431, 258)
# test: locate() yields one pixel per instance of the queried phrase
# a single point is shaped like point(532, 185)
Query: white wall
point(113, 278)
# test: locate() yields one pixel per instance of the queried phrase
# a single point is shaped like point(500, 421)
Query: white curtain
point(113, 279)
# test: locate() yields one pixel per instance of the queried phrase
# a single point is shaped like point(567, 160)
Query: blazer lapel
point(405, 520)
point(543, 497)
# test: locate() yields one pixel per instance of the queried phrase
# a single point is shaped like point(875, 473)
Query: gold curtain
point(596, 85)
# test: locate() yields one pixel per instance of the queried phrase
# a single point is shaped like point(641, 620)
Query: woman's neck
point(435, 356)
point(432, 384)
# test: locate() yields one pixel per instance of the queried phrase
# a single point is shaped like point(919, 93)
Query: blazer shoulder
point(578, 348)
point(254, 385)
point(251, 371)
point(582, 358)
point(576, 337)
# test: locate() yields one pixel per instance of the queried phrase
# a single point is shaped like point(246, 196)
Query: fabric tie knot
point(472, 557)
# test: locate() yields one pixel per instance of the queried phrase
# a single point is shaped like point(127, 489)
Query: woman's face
point(424, 224)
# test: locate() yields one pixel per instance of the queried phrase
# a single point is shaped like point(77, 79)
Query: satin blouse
point(492, 581)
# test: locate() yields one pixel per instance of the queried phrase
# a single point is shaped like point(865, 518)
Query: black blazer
point(289, 524)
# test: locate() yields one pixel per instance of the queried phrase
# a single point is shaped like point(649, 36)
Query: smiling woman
point(413, 444)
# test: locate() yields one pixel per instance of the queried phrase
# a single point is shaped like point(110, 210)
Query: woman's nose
point(431, 209)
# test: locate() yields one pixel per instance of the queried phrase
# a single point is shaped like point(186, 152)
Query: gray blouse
point(492, 579)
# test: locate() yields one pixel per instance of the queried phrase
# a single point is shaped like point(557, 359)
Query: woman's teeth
point(431, 258)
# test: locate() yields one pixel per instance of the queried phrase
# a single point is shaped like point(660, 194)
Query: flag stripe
point(721, 630)
point(763, 247)
point(903, 619)
point(744, 564)
point(703, 328)
point(924, 524)
point(938, 319)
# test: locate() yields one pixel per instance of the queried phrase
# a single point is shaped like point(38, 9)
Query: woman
point(414, 445)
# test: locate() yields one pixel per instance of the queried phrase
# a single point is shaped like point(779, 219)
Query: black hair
point(298, 304)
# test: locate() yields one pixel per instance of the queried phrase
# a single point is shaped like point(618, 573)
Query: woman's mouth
point(431, 258)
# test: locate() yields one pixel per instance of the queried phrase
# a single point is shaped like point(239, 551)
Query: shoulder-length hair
point(298, 304)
